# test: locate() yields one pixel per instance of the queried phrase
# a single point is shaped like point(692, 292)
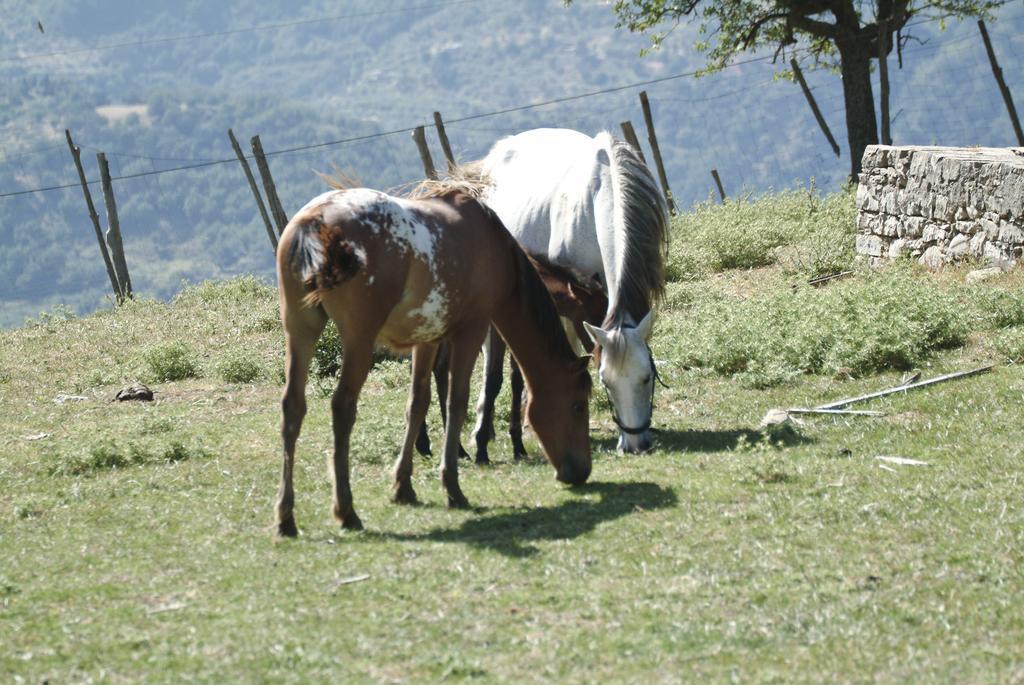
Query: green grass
point(135, 538)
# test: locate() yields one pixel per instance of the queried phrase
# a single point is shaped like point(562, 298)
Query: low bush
point(171, 362)
point(1009, 342)
point(234, 290)
point(807, 233)
point(879, 321)
point(108, 455)
point(239, 367)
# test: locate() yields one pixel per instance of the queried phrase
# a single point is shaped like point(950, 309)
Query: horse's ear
point(598, 335)
point(645, 326)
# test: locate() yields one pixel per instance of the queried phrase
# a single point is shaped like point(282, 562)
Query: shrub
point(107, 455)
point(234, 290)
point(327, 354)
point(104, 456)
point(1010, 343)
point(238, 368)
point(886, 320)
point(998, 308)
point(807, 233)
point(172, 362)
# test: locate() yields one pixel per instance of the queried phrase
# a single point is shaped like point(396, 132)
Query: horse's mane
point(469, 178)
point(645, 225)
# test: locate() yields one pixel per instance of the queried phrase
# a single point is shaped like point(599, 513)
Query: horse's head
point(561, 419)
point(589, 301)
point(626, 369)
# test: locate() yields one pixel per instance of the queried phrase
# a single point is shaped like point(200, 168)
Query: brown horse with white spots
point(411, 274)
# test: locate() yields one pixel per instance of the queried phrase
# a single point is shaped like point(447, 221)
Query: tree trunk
point(861, 123)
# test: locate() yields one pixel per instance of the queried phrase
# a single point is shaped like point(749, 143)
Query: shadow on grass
point(512, 533)
point(709, 441)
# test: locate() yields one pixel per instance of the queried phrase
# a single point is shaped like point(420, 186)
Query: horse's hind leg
point(416, 411)
point(302, 330)
point(355, 367)
point(465, 346)
point(494, 360)
point(515, 422)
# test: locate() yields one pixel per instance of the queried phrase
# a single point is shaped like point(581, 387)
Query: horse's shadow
point(512, 533)
point(710, 441)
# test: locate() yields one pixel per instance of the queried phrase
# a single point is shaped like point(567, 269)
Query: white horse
point(590, 205)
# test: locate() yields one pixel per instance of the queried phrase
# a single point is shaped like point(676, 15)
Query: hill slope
point(326, 71)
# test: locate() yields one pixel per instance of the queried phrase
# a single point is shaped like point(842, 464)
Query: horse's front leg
point(515, 422)
point(355, 367)
point(464, 348)
point(494, 360)
point(419, 401)
point(302, 331)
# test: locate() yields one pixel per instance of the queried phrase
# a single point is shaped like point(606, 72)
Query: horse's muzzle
point(635, 444)
point(572, 474)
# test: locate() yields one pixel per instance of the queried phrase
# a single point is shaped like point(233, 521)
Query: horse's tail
point(641, 217)
point(321, 257)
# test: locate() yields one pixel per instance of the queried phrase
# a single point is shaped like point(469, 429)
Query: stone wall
point(941, 204)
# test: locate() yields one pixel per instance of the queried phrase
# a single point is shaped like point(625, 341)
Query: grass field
point(136, 538)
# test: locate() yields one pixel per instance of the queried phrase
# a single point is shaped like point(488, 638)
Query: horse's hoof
point(520, 455)
point(403, 494)
point(482, 459)
point(287, 528)
point(351, 522)
point(458, 501)
point(463, 454)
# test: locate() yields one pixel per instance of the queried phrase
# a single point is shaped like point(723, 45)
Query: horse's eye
point(647, 379)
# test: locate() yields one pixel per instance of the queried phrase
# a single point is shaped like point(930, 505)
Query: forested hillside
point(157, 84)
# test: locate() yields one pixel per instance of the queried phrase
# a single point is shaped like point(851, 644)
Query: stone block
point(889, 202)
point(933, 233)
point(870, 245)
point(898, 248)
point(979, 275)
point(891, 226)
point(958, 247)
point(1010, 234)
point(933, 257)
point(977, 244)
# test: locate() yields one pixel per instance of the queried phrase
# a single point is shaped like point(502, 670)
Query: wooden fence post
point(630, 135)
point(652, 138)
point(268, 185)
point(76, 154)
point(718, 182)
point(443, 137)
point(814, 106)
point(114, 229)
point(252, 186)
point(883, 78)
point(998, 73)
point(421, 144)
